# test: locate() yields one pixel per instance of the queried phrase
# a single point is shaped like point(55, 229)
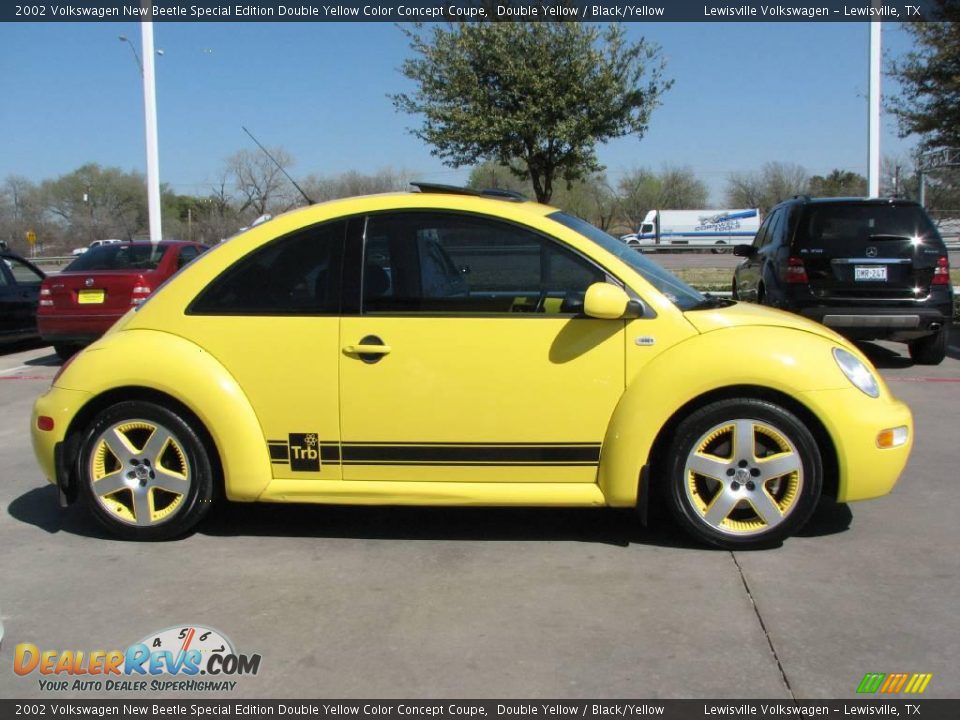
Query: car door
point(749, 273)
point(272, 319)
point(469, 359)
point(19, 291)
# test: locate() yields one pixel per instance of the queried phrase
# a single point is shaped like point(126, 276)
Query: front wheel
point(930, 350)
point(144, 472)
point(743, 474)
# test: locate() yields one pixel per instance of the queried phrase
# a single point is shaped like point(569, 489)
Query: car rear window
point(850, 227)
point(120, 257)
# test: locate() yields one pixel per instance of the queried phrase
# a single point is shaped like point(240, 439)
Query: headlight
point(856, 372)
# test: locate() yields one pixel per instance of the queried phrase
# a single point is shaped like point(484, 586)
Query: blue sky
point(744, 94)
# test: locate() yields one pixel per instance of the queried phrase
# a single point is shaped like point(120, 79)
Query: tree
point(20, 211)
point(95, 203)
point(261, 185)
point(929, 77)
point(673, 188)
point(774, 182)
point(321, 188)
point(591, 199)
point(492, 174)
point(838, 183)
point(534, 96)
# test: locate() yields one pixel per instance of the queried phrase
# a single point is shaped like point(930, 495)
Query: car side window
point(298, 274)
point(23, 274)
point(758, 239)
point(187, 254)
point(440, 263)
point(782, 237)
point(776, 220)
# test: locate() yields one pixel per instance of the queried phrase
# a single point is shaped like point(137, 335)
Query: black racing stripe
point(450, 463)
point(471, 454)
point(278, 452)
point(329, 452)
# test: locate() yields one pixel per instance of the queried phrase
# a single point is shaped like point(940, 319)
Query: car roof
point(429, 197)
point(807, 200)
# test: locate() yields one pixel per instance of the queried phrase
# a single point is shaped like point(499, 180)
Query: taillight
point(941, 274)
point(140, 291)
point(46, 297)
point(795, 271)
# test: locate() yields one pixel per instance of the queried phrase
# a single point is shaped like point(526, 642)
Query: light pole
point(136, 55)
point(150, 124)
point(873, 142)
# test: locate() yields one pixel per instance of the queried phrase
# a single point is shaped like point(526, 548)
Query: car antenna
point(280, 167)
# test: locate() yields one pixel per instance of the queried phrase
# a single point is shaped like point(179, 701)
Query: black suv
point(869, 269)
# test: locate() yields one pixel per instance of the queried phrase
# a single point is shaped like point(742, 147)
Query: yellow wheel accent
point(139, 472)
point(743, 477)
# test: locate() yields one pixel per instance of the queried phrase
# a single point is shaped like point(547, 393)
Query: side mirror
point(605, 301)
point(744, 250)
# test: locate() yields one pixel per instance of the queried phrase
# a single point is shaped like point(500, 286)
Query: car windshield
point(126, 256)
point(673, 288)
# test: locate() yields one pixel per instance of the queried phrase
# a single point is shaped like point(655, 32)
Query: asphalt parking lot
point(371, 602)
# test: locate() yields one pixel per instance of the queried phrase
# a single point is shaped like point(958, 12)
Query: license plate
point(870, 272)
point(90, 297)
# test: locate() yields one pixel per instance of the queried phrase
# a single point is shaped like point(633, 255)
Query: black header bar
point(475, 10)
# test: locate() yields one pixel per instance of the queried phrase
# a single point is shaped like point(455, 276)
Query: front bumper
point(854, 422)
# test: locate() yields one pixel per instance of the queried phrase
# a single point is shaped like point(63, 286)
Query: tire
point(717, 491)
point(65, 351)
point(157, 476)
point(930, 350)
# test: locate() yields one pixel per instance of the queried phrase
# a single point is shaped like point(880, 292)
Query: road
point(523, 603)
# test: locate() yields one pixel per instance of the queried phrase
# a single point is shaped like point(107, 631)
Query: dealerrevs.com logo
point(183, 658)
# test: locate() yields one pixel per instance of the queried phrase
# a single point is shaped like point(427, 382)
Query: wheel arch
point(73, 437)
point(178, 374)
point(786, 367)
point(658, 455)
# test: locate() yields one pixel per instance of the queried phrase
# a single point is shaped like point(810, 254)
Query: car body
point(19, 289)
point(79, 304)
point(95, 244)
point(870, 269)
point(444, 348)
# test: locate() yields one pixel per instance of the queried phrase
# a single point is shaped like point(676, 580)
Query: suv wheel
point(930, 350)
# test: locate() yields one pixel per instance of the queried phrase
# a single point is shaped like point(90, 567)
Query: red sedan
point(80, 304)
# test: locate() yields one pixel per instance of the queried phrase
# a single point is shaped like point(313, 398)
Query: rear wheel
point(743, 474)
point(65, 351)
point(930, 350)
point(144, 472)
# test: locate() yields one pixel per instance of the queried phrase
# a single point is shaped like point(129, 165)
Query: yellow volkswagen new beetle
point(446, 347)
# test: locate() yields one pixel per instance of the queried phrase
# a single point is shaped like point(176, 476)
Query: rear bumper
point(876, 322)
point(75, 328)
